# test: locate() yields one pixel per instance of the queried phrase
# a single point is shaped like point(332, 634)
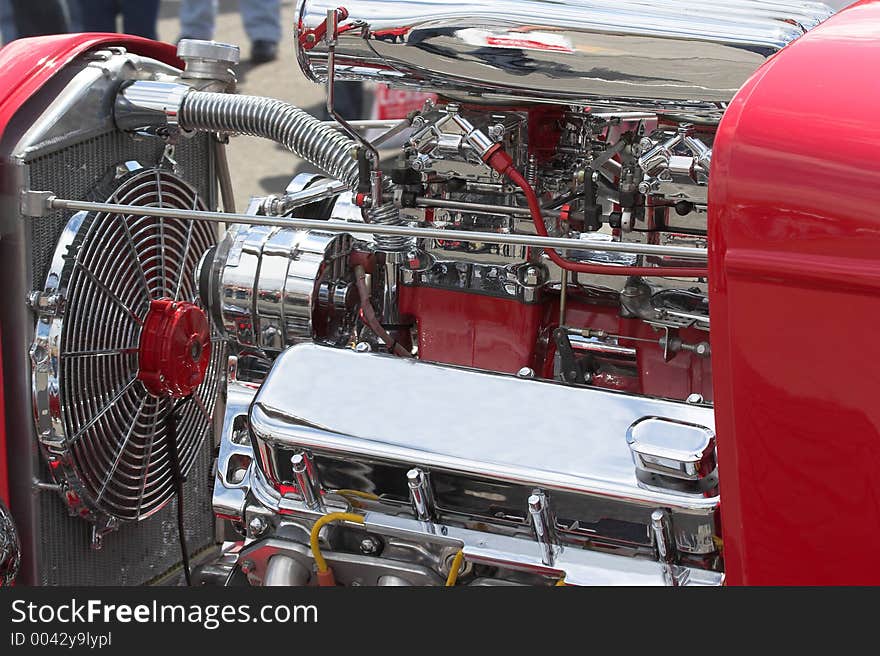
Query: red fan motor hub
point(175, 348)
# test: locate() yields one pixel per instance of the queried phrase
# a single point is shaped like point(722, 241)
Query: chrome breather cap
point(209, 65)
point(226, 53)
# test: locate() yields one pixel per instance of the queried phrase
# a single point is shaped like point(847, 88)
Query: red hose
point(499, 160)
point(369, 314)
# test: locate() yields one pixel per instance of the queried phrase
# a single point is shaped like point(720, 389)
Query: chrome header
point(668, 56)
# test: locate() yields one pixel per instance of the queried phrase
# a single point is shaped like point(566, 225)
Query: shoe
point(263, 51)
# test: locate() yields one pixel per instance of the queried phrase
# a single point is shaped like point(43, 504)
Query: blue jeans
point(261, 18)
point(139, 17)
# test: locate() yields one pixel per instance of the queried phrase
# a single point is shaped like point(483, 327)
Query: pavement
point(257, 165)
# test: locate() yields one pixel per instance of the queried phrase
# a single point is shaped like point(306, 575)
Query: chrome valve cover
point(486, 448)
point(668, 56)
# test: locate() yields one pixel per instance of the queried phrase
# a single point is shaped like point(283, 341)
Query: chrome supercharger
point(571, 142)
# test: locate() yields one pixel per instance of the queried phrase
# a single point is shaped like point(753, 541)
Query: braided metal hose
point(304, 135)
point(320, 145)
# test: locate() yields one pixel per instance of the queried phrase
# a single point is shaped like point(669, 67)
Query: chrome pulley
point(120, 337)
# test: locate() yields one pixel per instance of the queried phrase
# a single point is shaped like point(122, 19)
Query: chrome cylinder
point(666, 55)
point(285, 571)
point(309, 488)
point(420, 494)
point(542, 523)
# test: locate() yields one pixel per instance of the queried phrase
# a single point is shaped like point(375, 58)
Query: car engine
point(474, 350)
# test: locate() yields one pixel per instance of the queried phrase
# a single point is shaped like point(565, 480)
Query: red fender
point(795, 297)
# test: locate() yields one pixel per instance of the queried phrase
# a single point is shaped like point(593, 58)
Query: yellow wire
point(560, 582)
point(453, 569)
point(316, 529)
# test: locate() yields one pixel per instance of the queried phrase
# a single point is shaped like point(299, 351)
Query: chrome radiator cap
point(486, 441)
point(666, 56)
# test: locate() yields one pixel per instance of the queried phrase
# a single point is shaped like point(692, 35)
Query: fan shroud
point(103, 432)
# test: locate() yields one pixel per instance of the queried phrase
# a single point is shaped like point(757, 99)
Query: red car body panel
point(27, 64)
point(505, 335)
point(795, 298)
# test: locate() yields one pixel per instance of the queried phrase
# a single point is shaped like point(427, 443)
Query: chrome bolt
point(258, 526)
point(363, 347)
point(694, 398)
point(370, 546)
point(526, 372)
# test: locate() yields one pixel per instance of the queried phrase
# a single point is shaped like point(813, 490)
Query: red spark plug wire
point(498, 159)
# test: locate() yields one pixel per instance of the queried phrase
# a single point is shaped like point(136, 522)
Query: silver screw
point(370, 546)
point(363, 347)
point(526, 372)
point(258, 526)
point(694, 398)
point(531, 277)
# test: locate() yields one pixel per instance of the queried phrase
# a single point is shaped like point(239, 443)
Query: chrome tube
point(224, 179)
point(308, 488)
point(481, 208)
point(285, 571)
point(536, 241)
point(367, 124)
point(299, 132)
point(666, 55)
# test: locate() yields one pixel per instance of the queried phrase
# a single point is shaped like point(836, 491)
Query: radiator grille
point(139, 551)
point(83, 171)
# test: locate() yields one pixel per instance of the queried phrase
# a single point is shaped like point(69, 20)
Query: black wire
point(178, 480)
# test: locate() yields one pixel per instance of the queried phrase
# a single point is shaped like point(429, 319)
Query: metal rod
point(330, 37)
point(563, 296)
point(305, 481)
point(288, 202)
point(227, 195)
point(480, 207)
point(543, 526)
point(368, 124)
point(534, 241)
point(420, 494)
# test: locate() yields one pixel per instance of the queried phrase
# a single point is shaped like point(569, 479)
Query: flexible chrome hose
point(304, 135)
point(319, 144)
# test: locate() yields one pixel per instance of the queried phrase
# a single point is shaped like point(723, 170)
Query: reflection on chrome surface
point(670, 55)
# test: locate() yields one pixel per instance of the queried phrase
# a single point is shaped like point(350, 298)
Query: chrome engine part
point(269, 288)
point(601, 462)
point(482, 358)
point(89, 444)
point(628, 55)
point(99, 418)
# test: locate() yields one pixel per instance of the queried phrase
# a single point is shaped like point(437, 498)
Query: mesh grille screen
point(139, 551)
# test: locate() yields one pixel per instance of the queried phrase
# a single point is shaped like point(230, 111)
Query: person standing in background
point(261, 19)
point(139, 17)
point(23, 18)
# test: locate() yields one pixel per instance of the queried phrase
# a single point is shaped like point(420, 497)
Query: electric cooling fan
point(120, 339)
